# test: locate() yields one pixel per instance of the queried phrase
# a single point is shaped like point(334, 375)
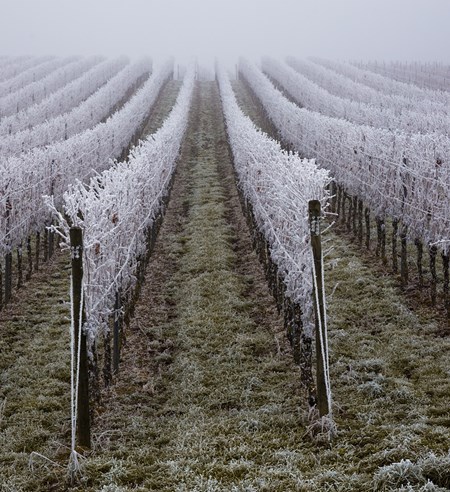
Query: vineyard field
point(211, 331)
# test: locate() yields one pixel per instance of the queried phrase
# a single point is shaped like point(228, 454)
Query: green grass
point(34, 375)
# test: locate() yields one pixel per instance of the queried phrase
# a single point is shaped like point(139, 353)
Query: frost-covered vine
point(118, 207)
point(37, 91)
point(309, 95)
point(343, 86)
point(279, 186)
point(402, 175)
point(12, 66)
point(431, 75)
point(31, 76)
point(24, 179)
point(385, 84)
point(86, 115)
point(64, 99)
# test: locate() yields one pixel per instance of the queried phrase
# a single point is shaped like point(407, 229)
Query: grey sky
point(381, 29)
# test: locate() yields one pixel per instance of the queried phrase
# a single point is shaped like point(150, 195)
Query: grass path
point(207, 399)
point(34, 374)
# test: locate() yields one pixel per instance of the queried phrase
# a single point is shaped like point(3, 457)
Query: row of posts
point(352, 214)
point(22, 272)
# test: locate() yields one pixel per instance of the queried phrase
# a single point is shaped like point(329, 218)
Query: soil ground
point(208, 398)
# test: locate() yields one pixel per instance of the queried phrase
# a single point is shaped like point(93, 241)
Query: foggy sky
point(342, 29)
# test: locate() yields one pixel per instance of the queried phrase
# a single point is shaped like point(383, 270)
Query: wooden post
point(83, 416)
point(350, 214)
point(8, 277)
point(94, 378)
point(333, 192)
point(367, 219)
point(19, 267)
point(321, 334)
point(433, 283)
point(445, 266)
point(404, 257)
point(51, 237)
point(8, 256)
point(107, 359)
point(355, 214)
point(287, 317)
point(419, 247)
point(1, 286)
point(360, 223)
point(339, 202)
point(394, 245)
point(381, 239)
point(29, 258)
point(343, 217)
point(45, 244)
point(38, 249)
point(116, 337)
point(379, 232)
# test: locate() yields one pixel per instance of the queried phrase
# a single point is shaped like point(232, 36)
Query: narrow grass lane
point(217, 403)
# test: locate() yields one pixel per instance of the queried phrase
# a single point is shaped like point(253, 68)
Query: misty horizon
point(376, 30)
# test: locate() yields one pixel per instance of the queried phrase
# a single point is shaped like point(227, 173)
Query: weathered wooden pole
point(8, 256)
point(355, 215)
point(381, 239)
point(339, 202)
point(394, 245)
point(323, 402)
point(19, 267)
point(8, 277)
point(116, 337)
point(350, 213)
point(333, 191)
point(51, 237)
point(29, 258)
point(45, 244)
point(107, 358)
point(433, 253)
point(38, 250)
point(367, 219)
point(1, 286)
point(360, 222)
point(445, 266)
point(419, 247)
point(83, 417)
point(343, 216)
point(404, 257)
